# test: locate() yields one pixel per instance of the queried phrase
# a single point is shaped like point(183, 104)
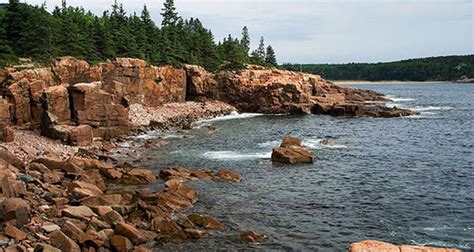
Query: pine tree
point(6, 52)
point(170, 16)
point(270, 57)
point(261, 49)
point(151, 36)
point(258, 55)
point(245, 40)
point(31, 31)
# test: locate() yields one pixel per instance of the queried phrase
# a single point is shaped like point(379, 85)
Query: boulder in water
point(291, 152)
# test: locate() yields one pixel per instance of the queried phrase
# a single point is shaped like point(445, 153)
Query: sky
point(327, 31)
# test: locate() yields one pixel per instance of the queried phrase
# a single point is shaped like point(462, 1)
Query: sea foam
point(234, 155)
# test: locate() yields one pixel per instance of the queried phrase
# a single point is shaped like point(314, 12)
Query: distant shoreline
point(359, 82)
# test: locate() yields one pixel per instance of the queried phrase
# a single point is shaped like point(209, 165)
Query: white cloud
point(329, 30)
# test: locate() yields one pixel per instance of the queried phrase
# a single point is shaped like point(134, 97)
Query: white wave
point(441, 244)
point(234, 155)
point(316, 144)
point(393, 105)
point(430, 108)
point(399, 99)
point(269, 144)
point(231, 116)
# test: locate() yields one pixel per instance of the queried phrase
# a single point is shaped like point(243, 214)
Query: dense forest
point(33, 32)
point(447, 68)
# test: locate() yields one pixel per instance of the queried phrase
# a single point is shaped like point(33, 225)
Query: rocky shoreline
point(61, 189)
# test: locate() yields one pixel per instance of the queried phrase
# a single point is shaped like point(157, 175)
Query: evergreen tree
point(149, 44)
point(31, 31)
point(6, 52)
point(270, 57)
point(232, 53)
point(170, 16)
point(258, 55)
point(245, 40)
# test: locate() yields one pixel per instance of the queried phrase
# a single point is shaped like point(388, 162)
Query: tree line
point(33, 32)
point(448, 68)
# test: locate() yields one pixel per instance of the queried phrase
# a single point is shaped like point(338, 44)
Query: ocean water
point(401, 180)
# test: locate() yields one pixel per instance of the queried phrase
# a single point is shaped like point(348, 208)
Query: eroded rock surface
point(264, 90)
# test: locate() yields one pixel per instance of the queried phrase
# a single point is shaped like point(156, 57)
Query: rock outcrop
point(6, 133)
point(292, 152)
point(67, 205)
point(264, 90)
point(376, 246)
point(74, 93)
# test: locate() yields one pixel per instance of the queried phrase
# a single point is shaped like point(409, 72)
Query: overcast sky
point(328, 31)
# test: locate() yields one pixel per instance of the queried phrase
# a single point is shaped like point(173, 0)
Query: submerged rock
point(252, 236)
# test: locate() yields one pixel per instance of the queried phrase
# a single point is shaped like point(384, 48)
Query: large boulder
point(93, 106)
point(291, 152)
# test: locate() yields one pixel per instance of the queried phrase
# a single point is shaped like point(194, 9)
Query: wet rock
point(291, 152)
point(184, 191)
point(168, 229)
point(173, 203)
point(155, 143)
point(121, 243)
point(196, 233)
point(178, 172)
point(206, 222)
point(137, 176)
point(228, 175)
point(63, 242)
point(292, 155)
point(252, 236)
point(130, 232)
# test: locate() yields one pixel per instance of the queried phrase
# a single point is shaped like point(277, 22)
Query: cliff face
point(264, 90)
point(72, 93)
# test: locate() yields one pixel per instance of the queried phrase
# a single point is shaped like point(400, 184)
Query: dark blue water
point(402, 180)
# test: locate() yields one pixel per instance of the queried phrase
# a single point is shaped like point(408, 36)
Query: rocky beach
point(67, 185)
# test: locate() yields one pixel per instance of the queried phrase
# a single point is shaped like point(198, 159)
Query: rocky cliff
point(258, 89)
point(75, 101)
point(72, 94)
